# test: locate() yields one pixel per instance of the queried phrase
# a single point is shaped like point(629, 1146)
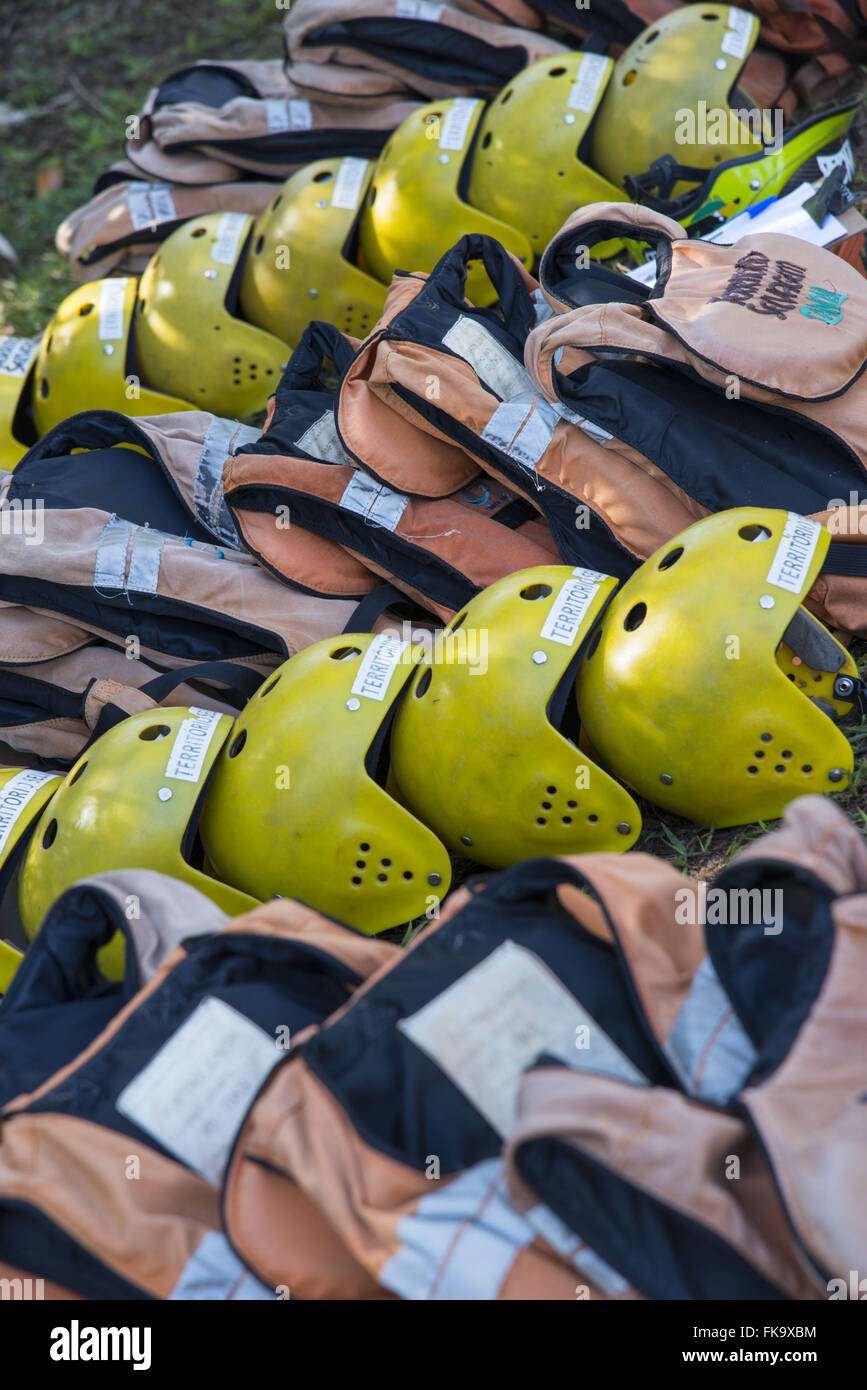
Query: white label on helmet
point(522, 428)
point(378, 665)
point(794, 553)
point(230, 228)
point(570, 606)
point(456, 123)
point(492, 1023)
point(492, 363)
point(149, 204)
point(190, 746)
point(321, 441)
point(194, 1093)
point(418, 9)
point(16, 355)
point(736, 38)
point(844, 156)
point(592, 72)
point(349, 183)
point(112, 294)
point(379, 505)
point(15, 797)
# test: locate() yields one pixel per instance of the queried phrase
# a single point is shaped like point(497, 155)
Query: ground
point(81, 68)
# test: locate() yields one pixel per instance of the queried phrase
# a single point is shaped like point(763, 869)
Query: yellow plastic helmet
point(189, 338)
point(87, 359)
point(299, 266)
point(415, 207)
point(10, 959)
point(530, 159)
point(708, 688)
point(298, 805)
point(23, 794)
point(484, 745)
point(130, 801)
point(17, 370)
point(673, 91)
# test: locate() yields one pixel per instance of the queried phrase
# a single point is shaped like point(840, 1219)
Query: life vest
point(439, 551)
point(376, 48)
point(156, 1097)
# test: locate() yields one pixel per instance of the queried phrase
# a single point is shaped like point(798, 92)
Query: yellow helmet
point(130, 801)
point(708, 687)
point(484, 746)
point(299, 266)
point(23, 794)
point(10, 959)
point(415, 207)
point(298, 805)
point(17, 370)
point(188, 335)
point(87, 359)
point(673, 91)
point(529, 163)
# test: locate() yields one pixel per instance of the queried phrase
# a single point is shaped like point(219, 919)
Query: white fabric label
point(592, 73)
point(16, 355)
point(15, 798)
point(214, 1272)
point(844, 156)
point(522, 427)
point(418, 9)
point(570, 606)
point(794, 553)
point(282, 115)
point(492, 363)
point(112, 294)
point(193, 1094)
point(190, 745)
point(736, 37)
point(349, 183)
point(456, 123)
point(378, 504)
point(230, 228)
point(377, 667)
point(149, 204)
point(321, 441)
point(490, 1025)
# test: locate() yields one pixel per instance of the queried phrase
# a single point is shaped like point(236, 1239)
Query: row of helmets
point(225, 298)
point(364, 761)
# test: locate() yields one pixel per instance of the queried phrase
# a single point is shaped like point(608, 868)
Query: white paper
point(349, 183)
point(378, 666)
point(570, 607)
point(456, 123)
point(794, 553)
point(592, 72)
point(230, 229)
point(112, 294)
point(190, 746)
point(16, 355)
point(15, 798)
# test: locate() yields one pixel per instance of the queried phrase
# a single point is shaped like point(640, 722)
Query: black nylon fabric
point(434, 51)
point(206, 85)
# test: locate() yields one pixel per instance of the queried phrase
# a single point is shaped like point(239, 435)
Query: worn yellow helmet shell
point(189, 338)
point(294, 808)
point(130, 801)
point(474, 751)
point(87, 359)
point(23, 794)
point(17, 370)
point(299, 264)
point(698, 689)
point(529, 163)
point(10, 959)
point(677, 72)
point(415, 209)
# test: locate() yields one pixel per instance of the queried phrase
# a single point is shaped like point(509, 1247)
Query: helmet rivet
point(321, 203)
point(108, 349)
point(836, 774)
point(623, 828)
point(666, 778)
point(843, 687)
point(540, 658)
point(164, 794)
point(767, 601)
point(755, 183)
point(569, 119)
point(210, 275)
point(353, 703)
point(720, 64)
point(434, 879)
point(312, 294)
point(465, 840)
point(443, 158)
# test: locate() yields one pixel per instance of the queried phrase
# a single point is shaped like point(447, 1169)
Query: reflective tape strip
point(592, 430)
point(144, 561)
point(110, 568)
point(321, 441)
point(564, 1240)
point(377, 504)
point(492, 363)
point(707, 1045)
point(221, 437)
point(522, 427)
point(214, 1272)
point(461, 1241)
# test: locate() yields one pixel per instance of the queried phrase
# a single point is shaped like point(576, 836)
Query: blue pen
point(758, 207)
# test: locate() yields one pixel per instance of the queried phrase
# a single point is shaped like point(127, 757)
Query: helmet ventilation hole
point(552, 791)
point(505, 97)
point(780, 767)
point(277, 201)
point(534, 592)
point(635, 617)
point(85, 310)
point(567, 820)
point(44, 388)
point(540, 820)
point(487, 140)
point(361, 863)
point(571, 805)
point(356, 881)
point(371, 197)
point(759, 753)
point(766, 738)
point(407, 873)
point(671, 558)
point(546, 806)
point(808, 768)
point(752, 769)
point(77, 773)
point(458, 621)
point(49, 835)
point(710, 16)
point(556, 72)
point(260, 242)
point(424, 682)
point(238, 744)
point(382, 878)
point(198, 231)
point(592, 819)
point(48, 344)
point(269, 687)
point(386, 863)
point(629, 77)
point(154, 731)
point(344, 653)
point(754, 533)
point(365, 848)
